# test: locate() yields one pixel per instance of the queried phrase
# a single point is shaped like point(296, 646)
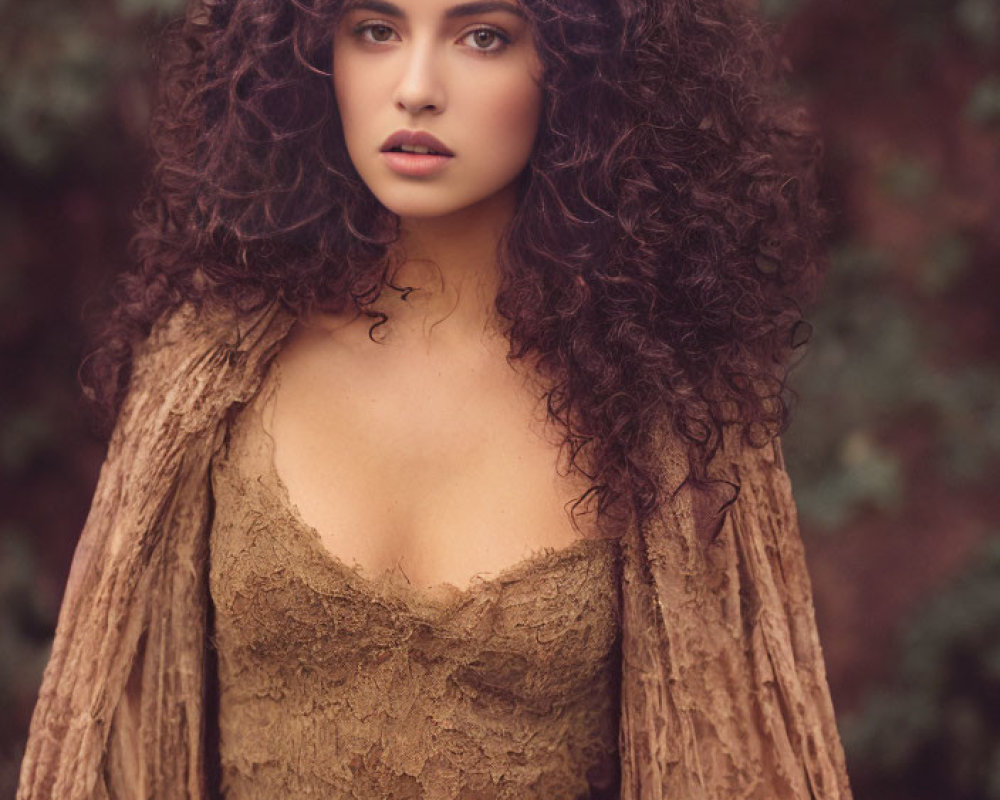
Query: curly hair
point(666, 238)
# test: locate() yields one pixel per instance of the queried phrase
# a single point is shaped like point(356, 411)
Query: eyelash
point(504, 38)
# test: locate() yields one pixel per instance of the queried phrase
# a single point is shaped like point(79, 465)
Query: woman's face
point(468, 77)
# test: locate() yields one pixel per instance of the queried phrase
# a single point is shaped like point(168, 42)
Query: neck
point(450, 261)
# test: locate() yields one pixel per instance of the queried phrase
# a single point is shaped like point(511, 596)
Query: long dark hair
point(667, 234)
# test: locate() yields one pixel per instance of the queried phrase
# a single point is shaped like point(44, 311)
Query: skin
point(428, 454)
point(471, 81)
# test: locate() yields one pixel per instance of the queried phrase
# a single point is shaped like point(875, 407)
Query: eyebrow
point(461, 10)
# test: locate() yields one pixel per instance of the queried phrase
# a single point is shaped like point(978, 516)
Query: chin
point(418, 210)
point(421, 204)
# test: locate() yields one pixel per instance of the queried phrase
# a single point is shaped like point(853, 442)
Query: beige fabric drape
point(724, 691)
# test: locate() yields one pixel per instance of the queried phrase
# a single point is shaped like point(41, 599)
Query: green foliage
point(860, 359)
point(62, 66)
point(869, 365)
point(54, 78)
point(778, 9)
point(135, 8)
point(927, 22)
point(983, 106)
point(23, 607)
point(947, 262)
point(979, 20)
point(967, 402)
point(936, 732)
point(907, 179)
point(27, 617)
point(24, 435)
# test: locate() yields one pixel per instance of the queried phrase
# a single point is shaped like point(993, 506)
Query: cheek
point(340, 92)
point(346, 89)
point(513, 116)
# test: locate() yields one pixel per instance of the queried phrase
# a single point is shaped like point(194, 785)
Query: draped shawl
point(724, 690)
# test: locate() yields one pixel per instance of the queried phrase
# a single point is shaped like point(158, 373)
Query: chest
point(444, 467)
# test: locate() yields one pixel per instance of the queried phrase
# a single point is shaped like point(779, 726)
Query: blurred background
point(894, 446)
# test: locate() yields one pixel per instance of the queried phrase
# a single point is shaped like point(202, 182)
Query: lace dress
point(335, 684)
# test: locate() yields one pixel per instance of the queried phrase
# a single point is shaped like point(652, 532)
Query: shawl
point(724, 692)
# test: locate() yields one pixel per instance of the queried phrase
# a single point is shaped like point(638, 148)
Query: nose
point(420, 86)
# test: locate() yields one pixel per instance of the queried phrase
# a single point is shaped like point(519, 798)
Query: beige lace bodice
point(723, 687)
point(336, 684)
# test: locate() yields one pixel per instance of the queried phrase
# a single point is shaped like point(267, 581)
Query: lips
point(417, 138)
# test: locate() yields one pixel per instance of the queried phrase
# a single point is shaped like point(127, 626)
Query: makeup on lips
point(415, 153)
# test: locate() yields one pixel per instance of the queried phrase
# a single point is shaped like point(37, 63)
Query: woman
point(551, 352)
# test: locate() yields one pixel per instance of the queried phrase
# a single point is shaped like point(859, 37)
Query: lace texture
point(333, 683)
point(723, 687)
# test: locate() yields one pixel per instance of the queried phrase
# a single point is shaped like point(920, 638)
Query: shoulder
point(738, 454)
point(745, 479)
point(200, 358)
point(762, 503)
point(194, 329)
point(195, 336)
point(750, 452)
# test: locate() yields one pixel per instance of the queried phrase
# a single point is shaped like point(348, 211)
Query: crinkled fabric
point(723, 687)
point(333, 683)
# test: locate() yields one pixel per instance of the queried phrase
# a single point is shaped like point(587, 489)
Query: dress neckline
point(439, 596)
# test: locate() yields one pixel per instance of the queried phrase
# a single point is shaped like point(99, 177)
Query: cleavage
point(481, 517)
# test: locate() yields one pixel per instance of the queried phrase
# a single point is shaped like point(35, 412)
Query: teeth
point(413, 148)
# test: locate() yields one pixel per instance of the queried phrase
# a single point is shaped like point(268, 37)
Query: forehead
point(450, 9)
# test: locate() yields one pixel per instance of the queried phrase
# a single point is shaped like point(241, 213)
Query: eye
point(491, 35)
point(377, 29)
point(381, 33)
